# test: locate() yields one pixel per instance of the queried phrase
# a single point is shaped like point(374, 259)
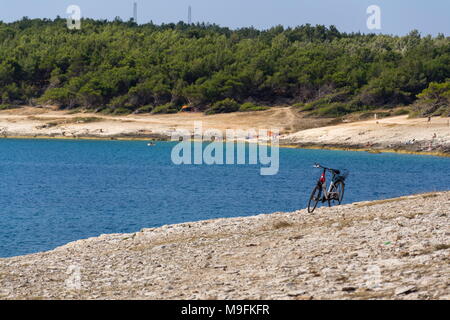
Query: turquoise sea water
point(53, 192)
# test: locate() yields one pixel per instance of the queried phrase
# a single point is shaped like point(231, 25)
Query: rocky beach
point(387, 249)
point(392, 134)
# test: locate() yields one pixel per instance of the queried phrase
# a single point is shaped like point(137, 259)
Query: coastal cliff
point(388, 249)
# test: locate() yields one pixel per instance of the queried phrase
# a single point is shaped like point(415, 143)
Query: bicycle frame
point(322, 183)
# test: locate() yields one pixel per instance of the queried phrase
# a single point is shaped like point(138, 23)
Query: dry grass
point(281, 225)
point(276, 117)
point(431, 195)
point(377, 202)
point(369, 294)
point(84, 120)
point(442, 246)
point(35, 118)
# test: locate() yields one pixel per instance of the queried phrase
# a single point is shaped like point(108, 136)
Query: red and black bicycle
point(332, 194)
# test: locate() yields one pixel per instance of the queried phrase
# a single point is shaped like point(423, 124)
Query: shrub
point(108, 110)
point(59, 96)
point(224, 106)
point(248, 106)
point(434, 100)
point(401, 112)
point(443, 111)
point(119, 101)
point(325, 102)
point(298, 105)
point(121, 111)
point(308, 107)
point(165, 108)
point(436, 93)
point(145, 109)
point(332, 110)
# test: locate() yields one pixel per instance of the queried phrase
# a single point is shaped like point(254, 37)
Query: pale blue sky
point(398, 16)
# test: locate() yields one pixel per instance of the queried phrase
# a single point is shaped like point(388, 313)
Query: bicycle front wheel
point(314, 199)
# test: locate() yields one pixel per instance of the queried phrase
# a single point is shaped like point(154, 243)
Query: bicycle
point(333, 194)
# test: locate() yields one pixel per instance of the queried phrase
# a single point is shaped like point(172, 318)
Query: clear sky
point(397, 16)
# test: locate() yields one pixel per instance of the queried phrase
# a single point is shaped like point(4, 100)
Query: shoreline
point(393, 134)
point(290, 255)
point(287, 145)
point(174, 225)
point(370, 150)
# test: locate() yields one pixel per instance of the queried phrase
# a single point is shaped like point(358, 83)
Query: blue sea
point(56, 191)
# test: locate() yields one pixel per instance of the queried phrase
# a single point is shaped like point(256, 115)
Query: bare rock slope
point(417, 135)
point(390, 249)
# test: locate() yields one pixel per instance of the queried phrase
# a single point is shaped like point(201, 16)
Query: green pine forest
point(120, 67)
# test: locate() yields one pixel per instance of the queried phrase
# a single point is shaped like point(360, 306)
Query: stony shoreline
point(395, 134)
point(420, 148)
point(388, 249)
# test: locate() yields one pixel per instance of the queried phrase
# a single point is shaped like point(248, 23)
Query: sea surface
point(56, 191)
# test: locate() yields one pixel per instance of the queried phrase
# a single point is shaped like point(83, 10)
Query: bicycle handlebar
point(316, 165)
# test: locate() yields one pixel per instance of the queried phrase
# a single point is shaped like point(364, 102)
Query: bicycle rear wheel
point(314, 199)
